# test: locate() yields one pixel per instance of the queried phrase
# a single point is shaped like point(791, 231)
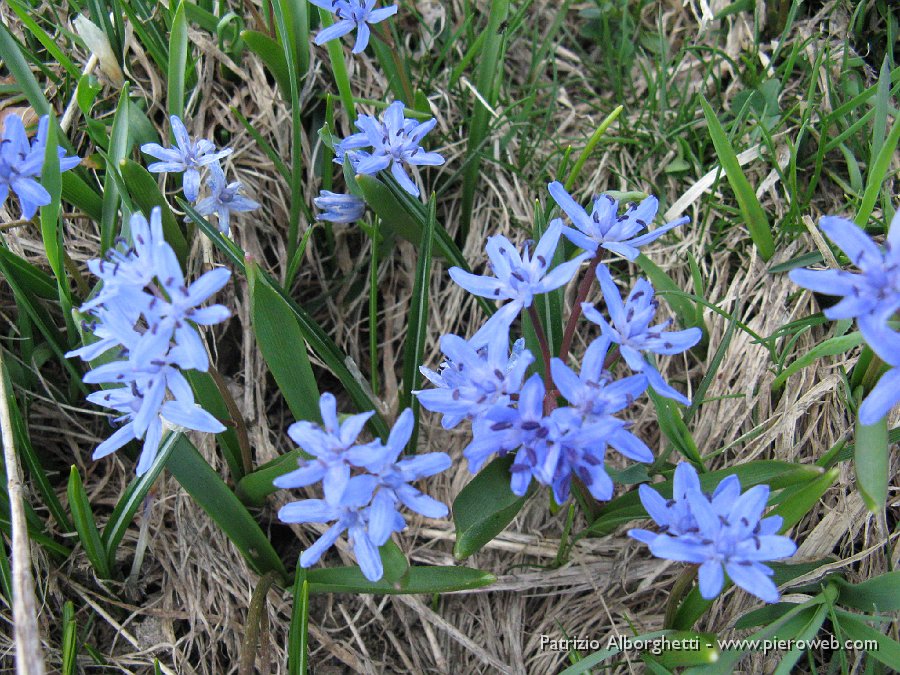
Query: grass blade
point(419, 579)
point(178, 54)
point(872, 461)
point(118, 149)
point(751, 210)
point(298, 633)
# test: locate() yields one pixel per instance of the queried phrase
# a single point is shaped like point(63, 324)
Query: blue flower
point(328, 445)
point(395, 142)
point(352, 14)
point(517, 277)
point(143, 286)
point(394, 478)
point(224, 198)
point(186, 155)
point(872, 297)
point(597, 397)
point(604, 228)
point(339, 208)
point(474, 378)
point(630, 329)
point(722, 532)
point(350, 514)
point(21, 164)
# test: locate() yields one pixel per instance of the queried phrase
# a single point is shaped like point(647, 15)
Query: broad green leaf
point(32, 279)
point(281, 343)
point(212, 399)
point(197, 477)
point(484, 507)
point(298, 633)
point(871, 460)
point(80, 194)
point(674, 428)
point(395, 564)
point(829, 347)
point(145, 193)
point(130, 502)
point(879, 595)
point(799, 499)
point(420, 579)
point(118, 150)
point(887, 649)
point(806, 633)
point(694, 649)
point(253, 488)
point(178, 55)
point(272, 56)
point(83, 517)
point(752, 212)
point(51, 179)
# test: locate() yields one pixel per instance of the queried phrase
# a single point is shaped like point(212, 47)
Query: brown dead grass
point(188, 606)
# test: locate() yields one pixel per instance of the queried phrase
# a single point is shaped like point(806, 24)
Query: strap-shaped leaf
point(83, 517)
point(420, 579)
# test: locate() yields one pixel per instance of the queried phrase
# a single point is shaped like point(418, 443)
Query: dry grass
point(189, 603)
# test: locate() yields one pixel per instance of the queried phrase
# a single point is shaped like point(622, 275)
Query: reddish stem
point(583, 289)
point(545, 350)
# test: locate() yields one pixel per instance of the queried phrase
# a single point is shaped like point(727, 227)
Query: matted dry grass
point(188, 604)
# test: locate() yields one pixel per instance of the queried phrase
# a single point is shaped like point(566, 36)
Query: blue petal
point(711, 578)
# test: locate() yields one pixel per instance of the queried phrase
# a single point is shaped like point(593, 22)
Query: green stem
point(339, 67)
point(254, 617)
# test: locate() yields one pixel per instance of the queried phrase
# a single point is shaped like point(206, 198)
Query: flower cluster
point(22, 162)
point(363, 484)
point(872, 297)
point(352, 15)
point(482, 382)
point(190, 157)
point(145, 313)
point(721, 532)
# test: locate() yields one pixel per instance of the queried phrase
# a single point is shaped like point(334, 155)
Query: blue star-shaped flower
point(394, 142)
point(630, 329)
point(352, 14)
point(186, 155)
point(722, 532)
point(605, 228)
point(224, 198)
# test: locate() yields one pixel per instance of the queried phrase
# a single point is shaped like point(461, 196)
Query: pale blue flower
point(516, 277)
point(352, 15)
point(328, 445)
point(722, 532)
point(186, 155)
point(884, 395)
point(349, 513)
point(339, 208)
point(22, 163)
point(394, 142)
point(224, 198)
point(473, 378)
point(630, 328)
point(605, 228)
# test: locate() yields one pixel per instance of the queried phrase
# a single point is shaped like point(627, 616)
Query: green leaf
point(298, 633)
point(178, 54)
point(272, 56)
point(687, 313)
point(879, 595)
point(128, 504)
point(282, 345)
point(420, 579)
point(32, 279)
point(80, 194)
point(83, 517)
point(144, 190)
point(51, 179)
point(674, 428)
point(69, 648)
point(253, 488)
point(871, 459)
point(395, 564)
point(484, 508)
point(878, 173)
point(694, 649)
point(751, 210)
point(417, 331)
point(829, 347)
point(211, 399)
point(22, 76)
point(118, 149)
point(886, 649)
point(797, 500)
point(197, 477)
point(587, 663)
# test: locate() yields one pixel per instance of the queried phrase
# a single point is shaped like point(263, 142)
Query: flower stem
point(545, 347)
point(583, 289)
